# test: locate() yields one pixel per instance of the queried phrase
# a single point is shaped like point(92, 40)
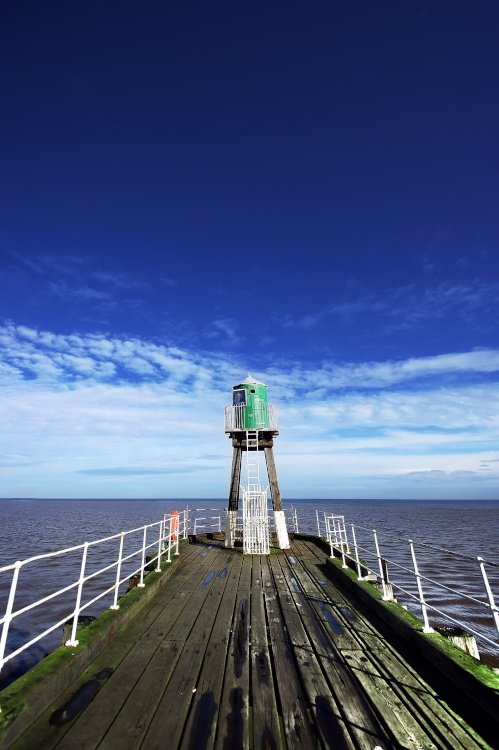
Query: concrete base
point(280, 527)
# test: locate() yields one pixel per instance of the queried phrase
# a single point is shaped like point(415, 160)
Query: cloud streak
point(89, 414)
point(407, 306)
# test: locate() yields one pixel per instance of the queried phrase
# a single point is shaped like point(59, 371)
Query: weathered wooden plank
point(265, 721)
point(407, 703)
point(171, 712)
point(357, 648)
point(201, 724)
point(358, 714)
point(299, 731)
point(395, 721)
point(233, 716)
point(44, 733)
point(145, 671)
point(330, 724)
point(145, 695)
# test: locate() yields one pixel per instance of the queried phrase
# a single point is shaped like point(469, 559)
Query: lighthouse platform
point(240, 651)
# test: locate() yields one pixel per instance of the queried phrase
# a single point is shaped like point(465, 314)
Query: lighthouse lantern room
point(251, 423)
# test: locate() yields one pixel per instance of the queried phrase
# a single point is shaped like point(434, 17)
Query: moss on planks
point(36, 689)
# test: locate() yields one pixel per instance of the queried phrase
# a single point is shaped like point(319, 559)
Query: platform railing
point(240, 418)
point(373, 553)
point(138, 550)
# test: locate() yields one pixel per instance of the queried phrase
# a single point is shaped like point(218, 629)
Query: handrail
point(428, 545)
point(165, 535)
point(486, 605)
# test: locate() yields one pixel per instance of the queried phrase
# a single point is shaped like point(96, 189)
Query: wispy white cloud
point(318, 382)
point(406, 306)
point(73, 277)
point(86, 414)
point(227, 329)
point(82, 291)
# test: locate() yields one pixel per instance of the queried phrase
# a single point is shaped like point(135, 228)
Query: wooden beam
point(274, 485)
point(265, 440)
point(235, 479)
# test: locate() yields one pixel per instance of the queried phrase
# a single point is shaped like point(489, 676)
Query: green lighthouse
point(251, 423)
point(250, 398)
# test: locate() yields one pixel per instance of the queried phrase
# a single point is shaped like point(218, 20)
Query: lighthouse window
point(239, 397)
point(252, 390)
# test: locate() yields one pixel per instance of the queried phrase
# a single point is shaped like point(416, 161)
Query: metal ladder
point(256, 528)
point(252, 461)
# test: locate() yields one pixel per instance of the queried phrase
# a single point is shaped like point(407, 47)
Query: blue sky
point(305, 192)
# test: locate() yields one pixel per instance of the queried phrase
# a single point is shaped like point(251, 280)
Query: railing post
point(426, 627)
point(343, 542)
point(296, 520)
point(177, 533)
point(169, 556)
point(381, 569)
point(318, 523)
point(160, 542)
point(490, 595)
point(327, 529)
point(72, 641)
point(356, 549)
point(115, 604)
point(329, 537)
point(8, 612)
point(141, 584)
point(186, 522)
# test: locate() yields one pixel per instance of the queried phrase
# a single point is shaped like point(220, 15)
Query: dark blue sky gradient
point(306, 191)
point(303, 156)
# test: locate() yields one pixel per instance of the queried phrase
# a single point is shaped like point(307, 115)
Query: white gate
point(336, 532)
point(255, 523)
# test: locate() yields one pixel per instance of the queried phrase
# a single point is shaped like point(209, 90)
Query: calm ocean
point(30, 527)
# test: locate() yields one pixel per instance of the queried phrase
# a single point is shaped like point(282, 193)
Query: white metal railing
point(138, 549)
point(423, 575)
point(207, 520)
point(248, 418)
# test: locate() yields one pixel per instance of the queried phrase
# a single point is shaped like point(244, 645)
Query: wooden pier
point(251, 652)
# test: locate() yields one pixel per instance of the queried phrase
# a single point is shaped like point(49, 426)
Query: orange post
point(174, 525)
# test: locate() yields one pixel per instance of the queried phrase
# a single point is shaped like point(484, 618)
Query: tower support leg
point(279, 518)
point(235, 480)
point(274, 485)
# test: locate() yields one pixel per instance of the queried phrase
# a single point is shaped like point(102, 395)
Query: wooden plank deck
point(250, 652)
